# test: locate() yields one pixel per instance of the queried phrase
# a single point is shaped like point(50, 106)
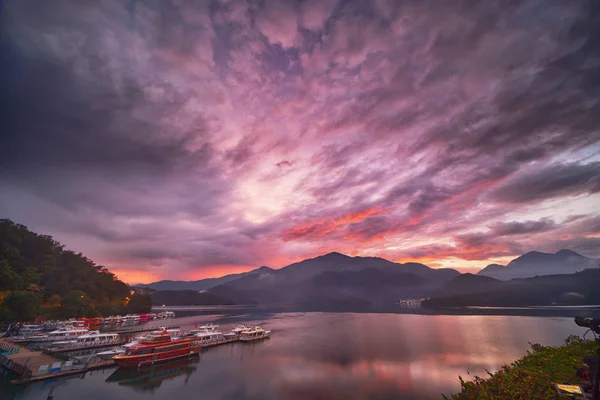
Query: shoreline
point(530, 377)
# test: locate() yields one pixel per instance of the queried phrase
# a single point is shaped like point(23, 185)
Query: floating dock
point(21, 360)
point(61, 350)
point(33, 340)
point(138, 330)
point(220, 342)
point(76, 369)
point(35, 366)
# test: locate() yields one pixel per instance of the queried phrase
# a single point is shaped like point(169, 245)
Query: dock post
point(51, 393)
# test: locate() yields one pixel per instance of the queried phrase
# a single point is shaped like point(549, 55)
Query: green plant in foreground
point(531, 377)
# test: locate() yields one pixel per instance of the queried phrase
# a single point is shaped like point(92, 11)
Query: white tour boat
point(54, 336)
point(90, 339)
point(207, 337)
point(132, 318)
point(255, 333)
point(239, 328)
point(30, 329)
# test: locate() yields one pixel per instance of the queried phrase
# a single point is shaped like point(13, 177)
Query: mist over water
point(326, 356)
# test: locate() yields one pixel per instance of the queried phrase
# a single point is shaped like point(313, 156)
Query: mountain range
point(580, 288)
point(338, 279)
point(535, 263)
point(198, 285)
point(335, 280)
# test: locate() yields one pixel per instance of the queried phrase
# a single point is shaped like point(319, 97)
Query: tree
point(39, 264)
point(76, 304)
point(54, 300)
point(139, 303)
point(23, 306)
point(32, 287)
point(9, 279)
point(3, 295)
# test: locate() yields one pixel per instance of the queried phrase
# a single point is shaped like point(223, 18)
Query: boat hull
point(138, 361)
point(253, 338)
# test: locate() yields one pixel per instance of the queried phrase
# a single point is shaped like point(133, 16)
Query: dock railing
point(8, 347)
point(21, 370)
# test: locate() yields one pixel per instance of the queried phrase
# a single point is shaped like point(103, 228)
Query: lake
point(324, 356)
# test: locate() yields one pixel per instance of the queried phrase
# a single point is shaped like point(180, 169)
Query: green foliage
point(22, 306)
point(38, 264)
point(54, 300)
point(530, 377)
point(75, 304)
point(9, 279)
point(139, 303)
point(114, 308)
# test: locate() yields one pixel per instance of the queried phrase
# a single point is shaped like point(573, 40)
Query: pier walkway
point(21, 360)
point(34, 366)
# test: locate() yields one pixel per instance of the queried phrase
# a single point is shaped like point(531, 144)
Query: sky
point(191, 139)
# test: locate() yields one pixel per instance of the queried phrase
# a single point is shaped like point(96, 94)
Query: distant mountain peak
point(468, 277)
point(567, 252)
point(534, 253)
point(537, 263)
point(264, 268)
point(334, 254)
point(538, 256)
point(491, 268)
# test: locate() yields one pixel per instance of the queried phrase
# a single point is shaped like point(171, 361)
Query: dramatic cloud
point(190, 139)
point(555, 180)
point(520, 228)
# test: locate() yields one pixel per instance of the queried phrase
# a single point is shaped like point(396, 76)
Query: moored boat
point(30, 329)
point(156, 348)
point(148, 379)
point(92, 322)
point(173, 332)
point(207, 337)
point(109, 354)
point(202, 329)
point(256, 333)
point(132, 318)
point(165, 314)
point(145, 317)
point(90, 339)
point(65, 334)
point(239, 328)
point(54, 336)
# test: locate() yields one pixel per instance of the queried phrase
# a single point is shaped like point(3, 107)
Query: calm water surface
point(325, 356)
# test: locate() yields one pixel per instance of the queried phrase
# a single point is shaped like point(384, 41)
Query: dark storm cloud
point(555, 180)
point(52, 117)
point(540, 108)
point(519, 228)
point(588, 226)
point(66, 116)
point(49, 122)
point(427, 197)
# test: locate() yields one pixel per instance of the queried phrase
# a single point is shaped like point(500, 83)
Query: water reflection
point(331, 356)
point(150, 379)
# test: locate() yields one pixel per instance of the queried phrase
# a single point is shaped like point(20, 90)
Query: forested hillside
point(39, 277)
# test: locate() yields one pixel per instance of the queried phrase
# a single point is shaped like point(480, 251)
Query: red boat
point(145, 317)
point(157, 348)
